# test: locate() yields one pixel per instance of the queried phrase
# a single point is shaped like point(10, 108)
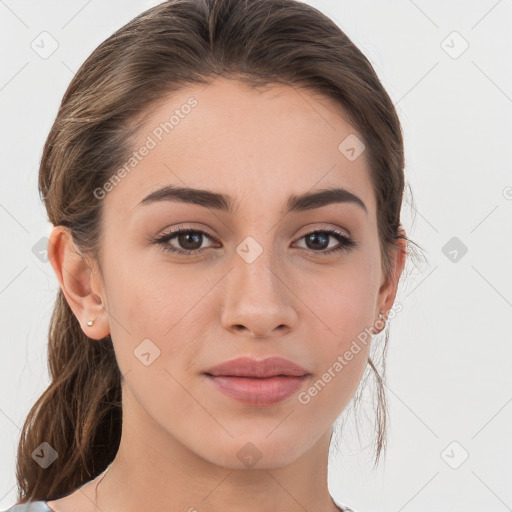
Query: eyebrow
point(223, 202)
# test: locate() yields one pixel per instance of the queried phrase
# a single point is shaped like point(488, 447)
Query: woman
point(225, 179)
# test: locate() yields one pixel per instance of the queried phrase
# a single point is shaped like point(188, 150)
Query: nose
point(258, 300)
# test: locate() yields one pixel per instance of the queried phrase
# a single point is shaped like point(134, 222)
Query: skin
point(180, 435)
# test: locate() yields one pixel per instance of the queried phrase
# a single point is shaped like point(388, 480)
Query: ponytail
point(78, 415)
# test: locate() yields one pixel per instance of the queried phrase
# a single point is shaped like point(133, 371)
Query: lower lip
point(255, 391)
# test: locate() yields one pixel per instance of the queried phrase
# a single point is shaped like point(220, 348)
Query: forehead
point(257, 145)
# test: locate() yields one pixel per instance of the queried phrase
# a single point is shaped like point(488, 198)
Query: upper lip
point(249, 367)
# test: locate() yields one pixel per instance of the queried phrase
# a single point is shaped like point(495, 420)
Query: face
point(250, 276)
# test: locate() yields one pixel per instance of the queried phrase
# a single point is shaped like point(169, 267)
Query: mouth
point(257, 391)
point(257, 383)
point(250, 367)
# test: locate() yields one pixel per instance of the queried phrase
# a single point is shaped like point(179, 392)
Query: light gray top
point(41, 506)
point(31, 506)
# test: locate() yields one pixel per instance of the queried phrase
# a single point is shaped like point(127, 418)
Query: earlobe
point(380, 323)
point(75, 275)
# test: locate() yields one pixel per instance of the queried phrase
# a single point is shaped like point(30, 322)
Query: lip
point(249, 367)
point(255, 382)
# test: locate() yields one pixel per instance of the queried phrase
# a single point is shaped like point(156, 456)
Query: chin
point(255, 452)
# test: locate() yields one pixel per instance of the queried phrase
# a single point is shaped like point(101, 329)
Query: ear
point(389, 287)
point(80, 282)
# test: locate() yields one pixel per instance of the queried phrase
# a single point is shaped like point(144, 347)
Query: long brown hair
point(163, 49)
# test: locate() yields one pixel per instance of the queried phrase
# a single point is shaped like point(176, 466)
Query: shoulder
point(30, 506)
point(343, 507)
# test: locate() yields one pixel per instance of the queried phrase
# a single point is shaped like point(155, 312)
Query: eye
point(189, 241)
point(319, 239)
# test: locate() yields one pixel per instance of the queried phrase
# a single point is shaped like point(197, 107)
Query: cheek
point(343, 305)
point(145, 293)
point(343, 302)
point(152, 302)
point(342, 345)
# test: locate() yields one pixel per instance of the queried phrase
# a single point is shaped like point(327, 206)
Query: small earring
point(381, 315)
point(90, 323)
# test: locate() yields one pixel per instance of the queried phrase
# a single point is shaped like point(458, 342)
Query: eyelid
point(177, 229)
point(331, 229)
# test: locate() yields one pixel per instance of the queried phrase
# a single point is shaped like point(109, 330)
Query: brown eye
point(318, 241)
point(189, 241)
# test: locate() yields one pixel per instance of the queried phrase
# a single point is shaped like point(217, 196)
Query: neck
point(165, 475)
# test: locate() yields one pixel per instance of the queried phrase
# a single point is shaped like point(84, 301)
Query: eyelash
point(346, 243)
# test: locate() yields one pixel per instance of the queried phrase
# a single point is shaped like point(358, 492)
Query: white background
point(450, 352)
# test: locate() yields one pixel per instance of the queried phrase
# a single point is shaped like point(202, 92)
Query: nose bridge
point(256, 296)
point(254, 266)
